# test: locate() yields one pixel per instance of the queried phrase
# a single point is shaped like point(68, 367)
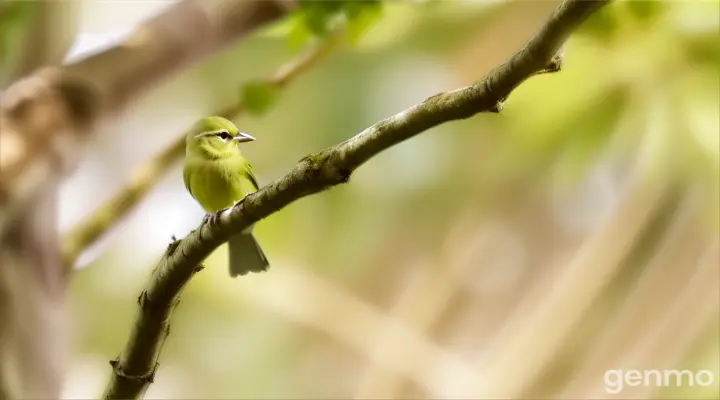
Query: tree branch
point(134, 369)
point(146, 176)
point(46, 117)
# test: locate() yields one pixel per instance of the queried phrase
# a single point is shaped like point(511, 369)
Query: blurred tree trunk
point(31, 305)
point(32, 333)
point(44, 121)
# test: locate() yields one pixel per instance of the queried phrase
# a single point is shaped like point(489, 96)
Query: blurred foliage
point(316, 19)
point(13, 18)
point(320, 17)
point(638, 78)
point(258, 96)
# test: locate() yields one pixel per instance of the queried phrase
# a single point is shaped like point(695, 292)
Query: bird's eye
point(224, 135)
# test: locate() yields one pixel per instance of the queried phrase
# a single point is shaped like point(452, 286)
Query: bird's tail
point(246, 255)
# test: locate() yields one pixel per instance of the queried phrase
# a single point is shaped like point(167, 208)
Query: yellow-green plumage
point(217, 176)
point(218, 184)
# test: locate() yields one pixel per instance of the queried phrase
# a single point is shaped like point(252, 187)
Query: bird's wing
point(251, 175)
point(186, 180)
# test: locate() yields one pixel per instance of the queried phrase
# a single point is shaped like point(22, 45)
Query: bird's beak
point(243, 137)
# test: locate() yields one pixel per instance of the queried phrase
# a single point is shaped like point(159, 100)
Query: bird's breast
point(217, 185)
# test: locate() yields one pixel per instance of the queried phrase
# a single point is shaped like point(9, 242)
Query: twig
point(134, 369)
point(146, 176)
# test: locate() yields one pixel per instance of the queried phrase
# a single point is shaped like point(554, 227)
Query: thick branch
point(134, 368)
point(46, 117)
point(146, 176)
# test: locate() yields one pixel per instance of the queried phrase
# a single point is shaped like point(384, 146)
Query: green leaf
point(645, 10)
point(279, 29)
point(321, 16)
point(318, 18)
point(317, 15)
point(258, 96)
point(316, 22)
point(355, 8)
point(298, 33)
point(360, 17)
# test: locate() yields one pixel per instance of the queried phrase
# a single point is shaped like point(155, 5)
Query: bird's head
point(215, 137)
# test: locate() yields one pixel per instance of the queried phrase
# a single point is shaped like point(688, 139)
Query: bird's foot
point(212, 218)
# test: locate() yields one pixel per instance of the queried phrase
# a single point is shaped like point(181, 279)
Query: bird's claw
point(213, 218)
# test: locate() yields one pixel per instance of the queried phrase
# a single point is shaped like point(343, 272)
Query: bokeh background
point(519, 254)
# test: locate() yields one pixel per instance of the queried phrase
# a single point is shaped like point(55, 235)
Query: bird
point(218, 176)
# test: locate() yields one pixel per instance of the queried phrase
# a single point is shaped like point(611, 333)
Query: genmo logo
point(617, 379)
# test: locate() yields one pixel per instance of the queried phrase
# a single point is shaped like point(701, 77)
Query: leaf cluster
point(313, 19)
point(319, 18)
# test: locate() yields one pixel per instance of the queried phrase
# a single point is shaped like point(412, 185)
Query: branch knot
point(142, 379)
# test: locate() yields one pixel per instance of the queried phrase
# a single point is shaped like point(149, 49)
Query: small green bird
point(218, 176)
